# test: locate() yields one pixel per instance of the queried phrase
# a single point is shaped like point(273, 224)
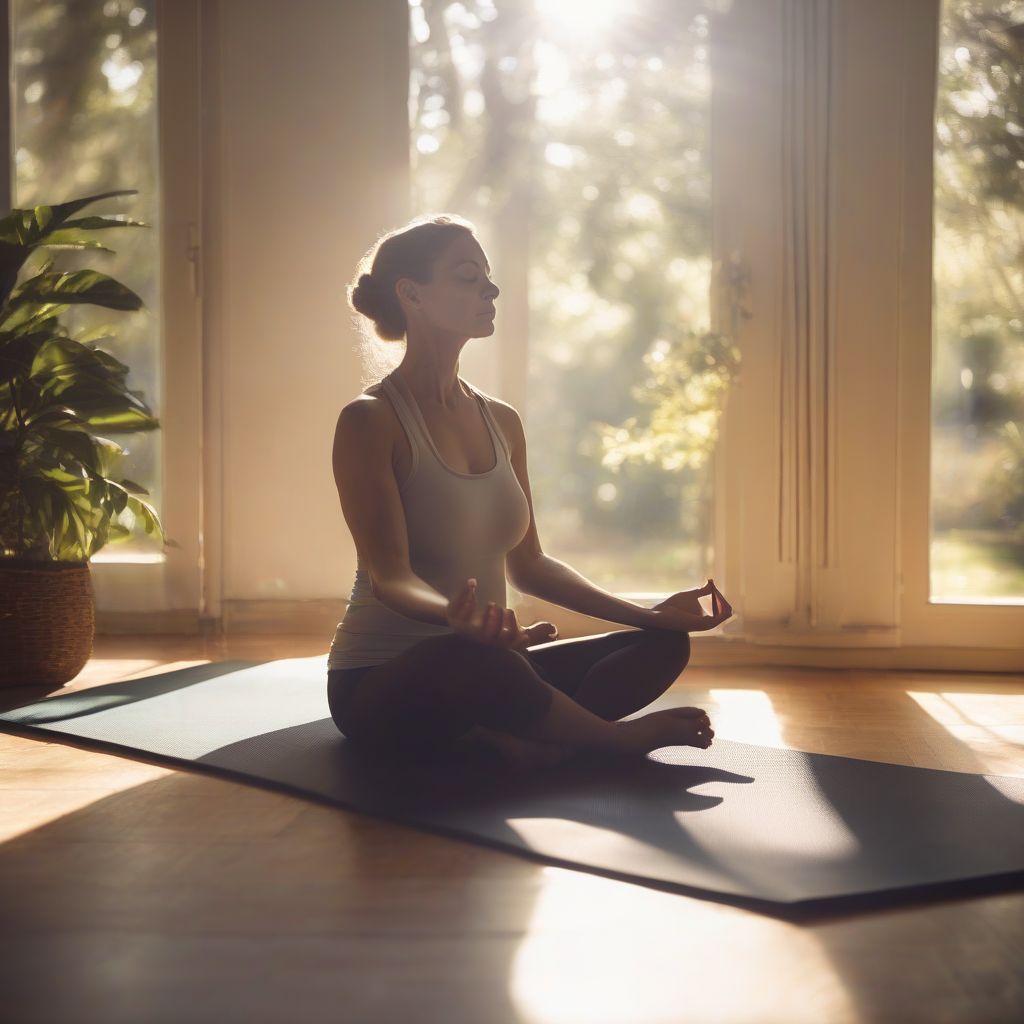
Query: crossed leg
point(448, 693)
point(610, 674)
point(614, 674)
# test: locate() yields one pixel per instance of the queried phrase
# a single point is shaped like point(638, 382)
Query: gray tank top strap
point(496, 431)
point(412, 419)
point(414, 431)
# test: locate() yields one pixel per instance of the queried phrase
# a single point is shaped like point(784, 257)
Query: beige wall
point(306, 163)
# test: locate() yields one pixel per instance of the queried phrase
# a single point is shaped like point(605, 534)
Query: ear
point(407, 290)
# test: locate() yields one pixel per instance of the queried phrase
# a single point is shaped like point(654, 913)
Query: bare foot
point(674, 727)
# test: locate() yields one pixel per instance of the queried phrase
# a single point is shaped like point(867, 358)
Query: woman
point(432, 478)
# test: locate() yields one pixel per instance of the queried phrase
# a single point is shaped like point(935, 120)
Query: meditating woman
point(432, 477)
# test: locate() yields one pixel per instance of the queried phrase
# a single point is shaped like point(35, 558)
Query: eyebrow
point(474, 262)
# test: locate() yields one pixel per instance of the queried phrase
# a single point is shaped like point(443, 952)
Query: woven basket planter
point(47, 622)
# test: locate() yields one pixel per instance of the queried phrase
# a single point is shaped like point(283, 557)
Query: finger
point(513, 633)
point(485, 619)
point(499, 621)
point(463, 597)
point(491, 620)
point(723, 604)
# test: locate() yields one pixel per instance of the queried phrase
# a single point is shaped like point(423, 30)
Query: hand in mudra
point(683, 611)
point(493, 625)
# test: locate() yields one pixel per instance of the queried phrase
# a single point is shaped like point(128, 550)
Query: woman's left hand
point(683, 610)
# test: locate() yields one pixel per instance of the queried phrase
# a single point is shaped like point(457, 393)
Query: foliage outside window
point(977, 546)
point(84, 122)
point(577, 137)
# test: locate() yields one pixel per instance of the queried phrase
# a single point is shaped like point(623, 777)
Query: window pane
point(977, 474)
point(576, 136)
point(84, 122)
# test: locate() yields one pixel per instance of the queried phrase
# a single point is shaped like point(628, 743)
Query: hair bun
point(366, 296)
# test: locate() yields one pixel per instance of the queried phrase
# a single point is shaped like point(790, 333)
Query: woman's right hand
point(490, 625)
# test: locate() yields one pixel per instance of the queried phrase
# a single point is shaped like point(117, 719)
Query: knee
point(672, 645)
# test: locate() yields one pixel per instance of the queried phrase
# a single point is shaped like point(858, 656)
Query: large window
point(977, 500)
point(84, 122)
point(576, 136)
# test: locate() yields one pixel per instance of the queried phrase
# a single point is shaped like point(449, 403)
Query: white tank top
point(460, 525)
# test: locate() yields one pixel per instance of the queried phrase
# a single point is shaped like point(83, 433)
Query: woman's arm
point(372, 508)
point(555, 581)
point(533, 572)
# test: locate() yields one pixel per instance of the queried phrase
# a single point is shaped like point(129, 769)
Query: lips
point(489, 312)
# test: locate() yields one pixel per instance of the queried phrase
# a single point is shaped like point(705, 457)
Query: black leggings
point(422, 700)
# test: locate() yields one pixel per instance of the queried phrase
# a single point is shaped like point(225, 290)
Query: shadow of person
point(769, 839)
point(627, 810)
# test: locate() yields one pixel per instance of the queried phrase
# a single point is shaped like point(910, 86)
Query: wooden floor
point(134, 892)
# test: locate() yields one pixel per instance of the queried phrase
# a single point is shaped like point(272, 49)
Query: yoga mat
point(790, 834)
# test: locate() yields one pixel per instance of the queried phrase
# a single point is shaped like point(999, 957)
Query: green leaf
point(59, 485)
point(63, 354)
point(18, 353)
point(24, 227)
point(81, 244)
point(76, 444)
point(27, 317)
point(77, 286)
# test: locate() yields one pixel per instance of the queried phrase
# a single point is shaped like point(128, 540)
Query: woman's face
point(460, 299)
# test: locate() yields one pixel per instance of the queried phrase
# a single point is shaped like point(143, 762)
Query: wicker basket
point(47, 622)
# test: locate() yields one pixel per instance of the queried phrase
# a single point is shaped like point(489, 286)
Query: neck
point(432, 377)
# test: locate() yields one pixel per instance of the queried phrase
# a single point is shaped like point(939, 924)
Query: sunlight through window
point(580, 962)
point(575, 134)
point(746, 715)
point(588, 18)
point(986, 729)
point(986, 710)
point(977, 465)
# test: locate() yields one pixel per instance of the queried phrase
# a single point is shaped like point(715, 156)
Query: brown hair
point(406, 252)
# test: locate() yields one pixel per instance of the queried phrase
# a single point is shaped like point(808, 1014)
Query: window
point(977, 496)
point(84, 122)
point(576, 136)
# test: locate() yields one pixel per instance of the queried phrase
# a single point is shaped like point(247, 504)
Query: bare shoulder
point(368, 407)
point(507, 417)
point(366, 415)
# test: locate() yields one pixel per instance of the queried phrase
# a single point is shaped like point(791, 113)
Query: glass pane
point(83, 113)
point(977, 472)
point(575, 135)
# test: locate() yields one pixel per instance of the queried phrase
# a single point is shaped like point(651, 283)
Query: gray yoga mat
point(786, 833)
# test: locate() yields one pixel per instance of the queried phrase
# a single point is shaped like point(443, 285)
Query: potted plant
point(61, 498)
